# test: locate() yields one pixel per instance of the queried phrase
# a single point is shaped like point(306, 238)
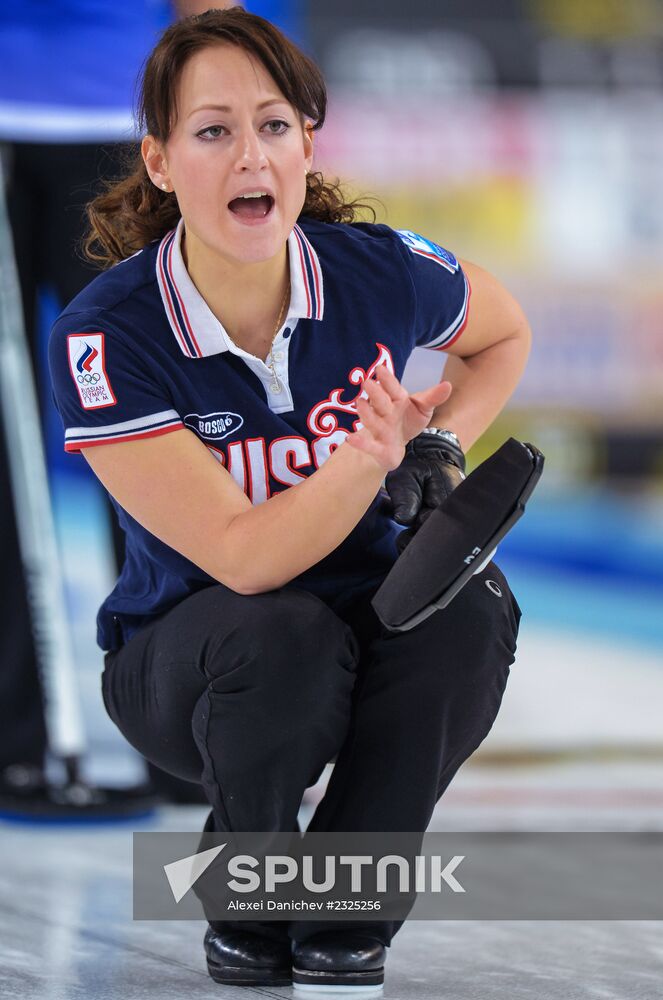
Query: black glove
point(432, 467)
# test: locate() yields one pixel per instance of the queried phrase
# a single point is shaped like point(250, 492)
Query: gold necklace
point(276, 385)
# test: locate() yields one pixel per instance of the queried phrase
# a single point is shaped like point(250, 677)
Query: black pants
point(254, 695)
point(47, 188)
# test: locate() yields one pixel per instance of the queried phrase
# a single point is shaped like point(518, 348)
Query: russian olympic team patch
point(88, 370)
point(426, 248)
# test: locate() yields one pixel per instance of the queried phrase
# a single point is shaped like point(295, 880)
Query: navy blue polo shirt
point(139, 353)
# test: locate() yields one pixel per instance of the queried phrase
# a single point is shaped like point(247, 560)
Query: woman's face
point(235, 134)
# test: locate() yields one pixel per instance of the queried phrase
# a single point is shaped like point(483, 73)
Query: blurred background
point(527, 137)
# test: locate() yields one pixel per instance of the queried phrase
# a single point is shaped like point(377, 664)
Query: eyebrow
point(227, 110)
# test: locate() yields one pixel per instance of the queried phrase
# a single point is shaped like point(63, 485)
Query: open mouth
point(252, 207)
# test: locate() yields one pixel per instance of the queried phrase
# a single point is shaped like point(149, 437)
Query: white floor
point(67, 932)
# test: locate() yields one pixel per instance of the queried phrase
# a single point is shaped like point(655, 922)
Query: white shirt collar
point(197, 330)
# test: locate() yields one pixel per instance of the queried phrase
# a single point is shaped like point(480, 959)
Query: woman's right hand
point(391, 416)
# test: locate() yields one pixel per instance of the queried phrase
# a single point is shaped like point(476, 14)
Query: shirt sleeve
point(441, 291)
point(102, 390)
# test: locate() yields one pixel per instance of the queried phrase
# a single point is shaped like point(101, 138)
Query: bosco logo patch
point(426, 248)
point(88, 370)
point(214, 426)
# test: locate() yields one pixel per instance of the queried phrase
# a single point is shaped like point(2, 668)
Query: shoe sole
point(236, 975)
point(307, 981)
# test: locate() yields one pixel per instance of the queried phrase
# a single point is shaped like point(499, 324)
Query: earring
point(165, 187)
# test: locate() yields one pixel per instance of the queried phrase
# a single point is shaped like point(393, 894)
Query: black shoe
point(26, 795)
point(338, 961)
point(240, 958)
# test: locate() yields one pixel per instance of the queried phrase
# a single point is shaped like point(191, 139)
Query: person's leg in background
point(48, 187)
point(424, 701)
point(23, 742)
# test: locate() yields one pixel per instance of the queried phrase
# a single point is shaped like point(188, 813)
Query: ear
point(308, 144)
point(154, 158)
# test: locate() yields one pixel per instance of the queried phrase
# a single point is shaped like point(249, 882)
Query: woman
point(235, 387)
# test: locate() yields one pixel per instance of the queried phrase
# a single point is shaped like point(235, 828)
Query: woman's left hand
point(391, 416)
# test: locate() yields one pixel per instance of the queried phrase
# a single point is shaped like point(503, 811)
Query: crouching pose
point(234, 382)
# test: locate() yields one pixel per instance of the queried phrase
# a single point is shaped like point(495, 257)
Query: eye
point(276, 127)
point(211, 132)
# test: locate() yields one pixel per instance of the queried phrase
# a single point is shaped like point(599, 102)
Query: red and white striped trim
point(449, 336)
point(76, 438)
point(310, 274)
point(196, 329)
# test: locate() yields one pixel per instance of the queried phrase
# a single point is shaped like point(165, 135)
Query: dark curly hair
point(132, 212)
